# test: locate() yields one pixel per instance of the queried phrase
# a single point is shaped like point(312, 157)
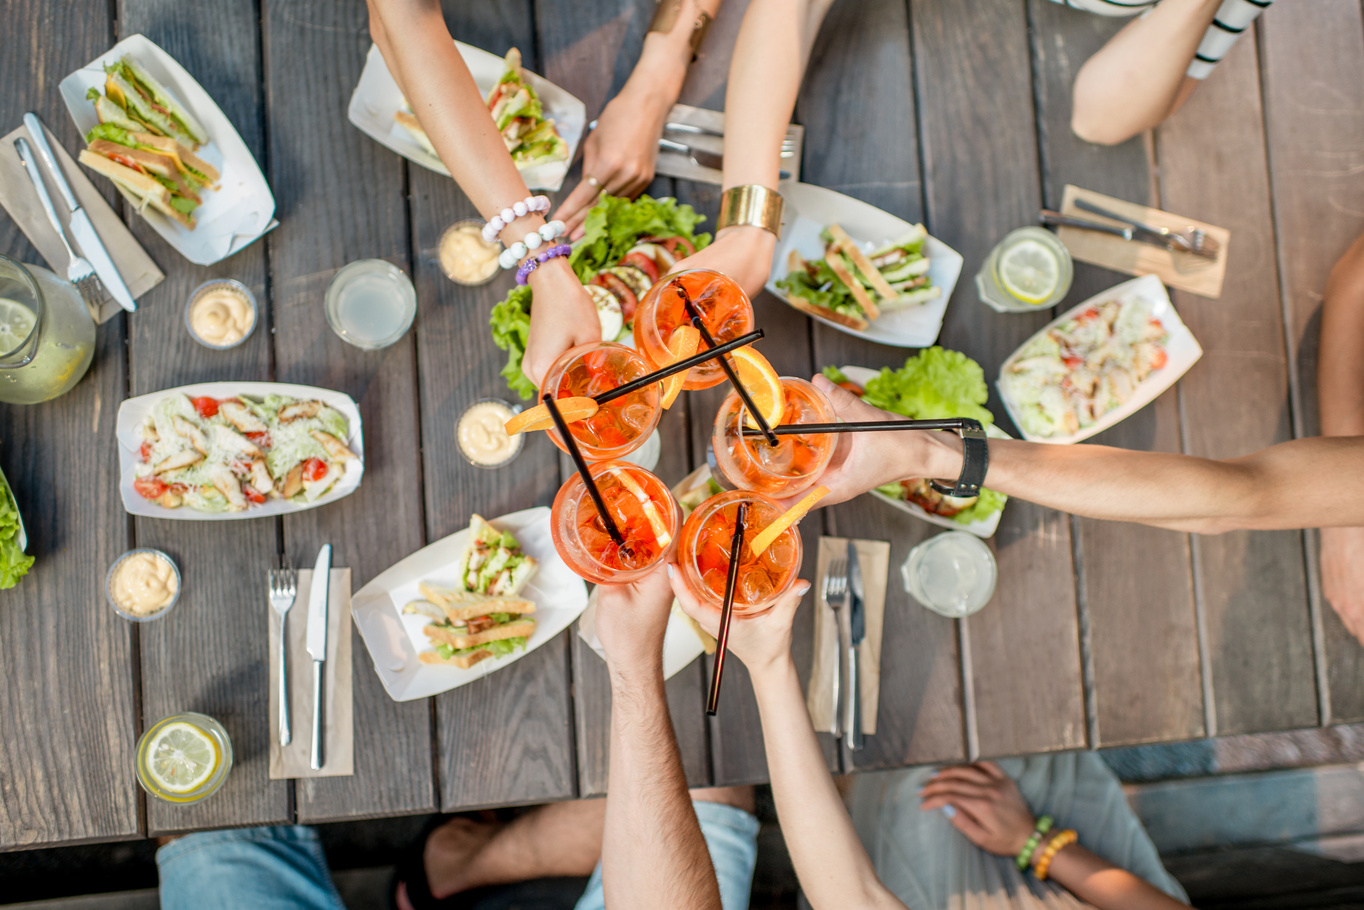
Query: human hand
point(619, 154)
point(631, 621)
point(986, 806)
point(564, 317)
point(741, 252)
point(761, 642)
point(1342, 575)
point(865, 461)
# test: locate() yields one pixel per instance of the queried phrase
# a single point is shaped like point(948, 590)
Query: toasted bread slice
point(859, 259)
point(463, 661)
point(462, 605)
point(859, 293)
point(514, 629)
point(806, 306)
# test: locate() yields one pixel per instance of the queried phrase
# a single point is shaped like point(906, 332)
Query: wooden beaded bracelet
point(1059, 842)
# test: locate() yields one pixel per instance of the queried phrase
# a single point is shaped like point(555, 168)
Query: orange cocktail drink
point(620, 426)
point(644, 511)
point(791, 466)
point(724, 307)
point(703, 553)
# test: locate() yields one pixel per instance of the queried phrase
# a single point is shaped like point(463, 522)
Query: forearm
point(666, 55)
point(1138, 78)
point(829, 859)
point(1101, 884)
point(1340, 360)
point(653, 853)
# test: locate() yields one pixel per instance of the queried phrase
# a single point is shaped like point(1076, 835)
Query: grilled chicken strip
point(300, 410)
point(241, 417)
point(335, 447)
point(177, 461)
point(193, 434)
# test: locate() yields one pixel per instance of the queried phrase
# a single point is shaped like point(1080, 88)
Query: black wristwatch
point(975, 450)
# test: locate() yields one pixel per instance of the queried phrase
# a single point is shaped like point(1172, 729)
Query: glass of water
point(952, 574)
point(370, 303)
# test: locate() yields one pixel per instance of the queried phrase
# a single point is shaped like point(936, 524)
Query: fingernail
point(949, 811)
point(670, 570)
point(801, 588)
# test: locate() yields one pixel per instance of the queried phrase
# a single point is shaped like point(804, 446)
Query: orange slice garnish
point(786, 519)
point(762, 384)
point(684, 343)
point(656, 522)
point(539, 418)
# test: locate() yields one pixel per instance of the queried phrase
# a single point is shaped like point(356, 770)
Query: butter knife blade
point(317, 604)
point(857, 610)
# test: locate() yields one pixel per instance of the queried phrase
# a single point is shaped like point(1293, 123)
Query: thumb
point(838, 396)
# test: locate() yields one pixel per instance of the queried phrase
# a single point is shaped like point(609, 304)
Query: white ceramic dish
point(377, 98)
point(810, 209)
point(395, 638)
point(22, 536)
point(986, 528)
point(242, 209)
point(134, 410)
point(1182, 350)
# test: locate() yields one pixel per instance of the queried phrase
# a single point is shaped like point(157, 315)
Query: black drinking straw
point(680, 366)
point(727, 610)
point(700, 323)
point(801, 429)
point(572, 445)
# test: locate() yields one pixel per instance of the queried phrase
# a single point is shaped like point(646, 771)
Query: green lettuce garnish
point(14, 565)
point(500, 648)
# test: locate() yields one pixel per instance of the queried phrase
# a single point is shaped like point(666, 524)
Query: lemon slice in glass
point(1029, 271)
point(651, 513)
point(181, 757)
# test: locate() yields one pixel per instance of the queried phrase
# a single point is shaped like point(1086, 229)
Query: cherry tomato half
point(207, 407)
point(314, 469)
point(149, 487)
point(617, 286)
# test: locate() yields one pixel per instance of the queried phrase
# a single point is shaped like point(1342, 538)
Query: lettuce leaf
point(510, 322)
point(935, 383)
point(823, 288)
point(500, 648)
point(14, 565)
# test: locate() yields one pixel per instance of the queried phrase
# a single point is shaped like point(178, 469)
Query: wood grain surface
point(1251, 586)
point(1313, 74)
point(1136, 583)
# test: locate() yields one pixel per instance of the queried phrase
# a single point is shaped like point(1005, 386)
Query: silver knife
point(317, 640)
point(857, 624)
point(703, 157)
point(82, 230)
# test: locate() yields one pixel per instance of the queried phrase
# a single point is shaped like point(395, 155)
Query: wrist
point(770, 674)
point(941, 454)
point(662, 67)
point(635, 680)
point(748, 235)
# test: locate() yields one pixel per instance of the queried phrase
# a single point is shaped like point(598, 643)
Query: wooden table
point(936, 110)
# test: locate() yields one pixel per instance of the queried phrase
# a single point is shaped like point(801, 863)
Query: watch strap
point(975, 462)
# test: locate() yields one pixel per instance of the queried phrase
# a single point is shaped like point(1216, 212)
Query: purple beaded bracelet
point(530, 265)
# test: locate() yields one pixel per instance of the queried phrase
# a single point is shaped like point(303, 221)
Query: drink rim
point(646, 326)
point(210, 727)
point(706, 511)
point(728, 408)
point(600, 469)
point(401, 280)
point(560, 366)
point(39, 310)
point(919, 553)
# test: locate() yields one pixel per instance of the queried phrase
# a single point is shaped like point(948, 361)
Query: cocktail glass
point(191, 747)
point(725, 310)
point(620, 426)
point(790, 467)
point(703, 553)
point(644, 511)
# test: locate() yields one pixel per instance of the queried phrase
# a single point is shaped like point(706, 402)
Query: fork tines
point(835, 581)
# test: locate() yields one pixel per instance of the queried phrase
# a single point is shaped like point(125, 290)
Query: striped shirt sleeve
point(1233, 18)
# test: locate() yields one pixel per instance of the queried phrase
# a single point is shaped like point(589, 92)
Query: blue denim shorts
point(732, 839)
point(279, 868)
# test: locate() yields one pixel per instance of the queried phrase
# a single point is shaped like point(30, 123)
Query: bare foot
point(451, 855)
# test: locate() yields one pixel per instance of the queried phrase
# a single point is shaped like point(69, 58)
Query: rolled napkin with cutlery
point(19, 198)
point(338, 752)
point(827, 691)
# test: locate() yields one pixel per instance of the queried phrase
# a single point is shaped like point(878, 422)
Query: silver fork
point(283, 592)
point(835, 595)
point(1195, 241)
point(78, 270)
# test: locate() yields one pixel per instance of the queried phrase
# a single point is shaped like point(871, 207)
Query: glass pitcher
point(47, 335)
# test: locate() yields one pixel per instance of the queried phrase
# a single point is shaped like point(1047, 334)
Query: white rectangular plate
point(681, 644)
point(811, 209)
point(395, 638)
point(377, 98)
point(132, 412)
point(986, 528)
point(1182, 350)
point(234, 215)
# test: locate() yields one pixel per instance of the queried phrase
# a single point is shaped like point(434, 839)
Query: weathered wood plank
point(508, 738)
point(341, 198)
point(981, 169)
point(67, 697)
point(1136, 585)
point(209, 654)
point(863, 52)
point(1313, 77)
point(1250, 585)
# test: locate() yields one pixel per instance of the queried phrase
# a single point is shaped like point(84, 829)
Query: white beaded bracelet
point(534, 240)
point(498, 223)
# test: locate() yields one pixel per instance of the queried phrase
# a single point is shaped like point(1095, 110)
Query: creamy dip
point(482, 434)
point(465, 256)
point(221, 316)
point(143, 584)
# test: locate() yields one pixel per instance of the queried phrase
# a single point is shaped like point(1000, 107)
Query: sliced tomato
point(660, 256)
point(680, 247)
point(261, 439)
point(146, 450)
point(622, 292)
point(149, 487)
point(643, 263)
point(207, 407)
point(126, 162)
point(314, 469)
point(1159, 359)
point(253, 494)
